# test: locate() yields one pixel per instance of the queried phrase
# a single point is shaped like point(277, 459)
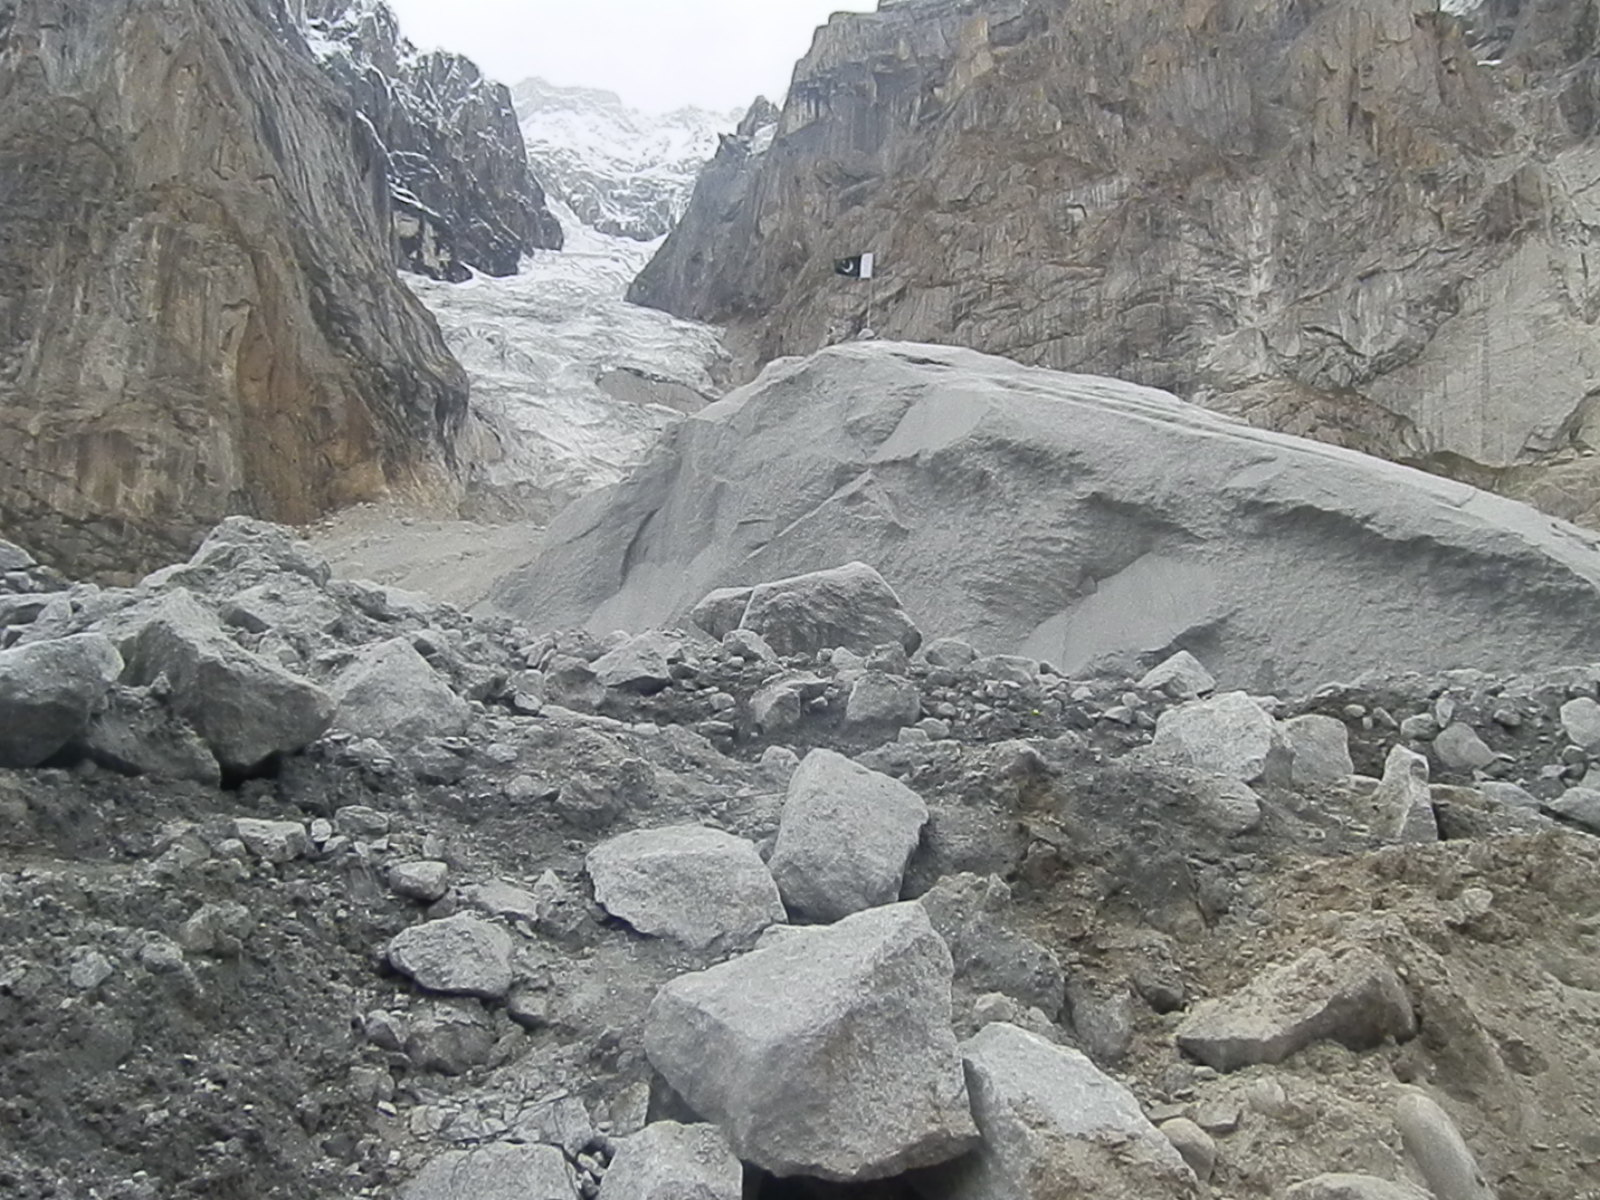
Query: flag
point(856, 267)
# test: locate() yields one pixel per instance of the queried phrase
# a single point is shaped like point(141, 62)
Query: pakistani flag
point(858, 267)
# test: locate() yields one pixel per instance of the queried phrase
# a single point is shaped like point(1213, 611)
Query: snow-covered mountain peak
point(623, 172)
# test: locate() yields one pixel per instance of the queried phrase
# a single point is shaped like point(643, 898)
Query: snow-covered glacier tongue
point(571, 385)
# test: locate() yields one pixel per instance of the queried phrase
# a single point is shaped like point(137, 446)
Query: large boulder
point(1072, 519)
point(391, 693)
point(245, 708)
point(1352, 997)
point(828, 1053)
point(49, 693)
point(1054, 1125)
point(698, 886)
point(845, 837)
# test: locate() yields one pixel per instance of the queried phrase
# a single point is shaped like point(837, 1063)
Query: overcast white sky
point(657, 54)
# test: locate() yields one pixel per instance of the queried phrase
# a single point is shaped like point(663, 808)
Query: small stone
point(1194, 1144)
point(1354, 1187)
point(425, 880)
point(495, 1172)
point(877, 698)
point(1403, 802)
point(88, 970)
point(1435, 1149)
point(360, 822)
point(1321, 749)
point(1228, 735)
point(273, 841)
point(459, 955)
point(1420, 728)
point(1461, 749)
point(1182, 677)
point(949, 652)
point(1580, 718)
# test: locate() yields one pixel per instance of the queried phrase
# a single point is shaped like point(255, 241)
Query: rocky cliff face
point(1368, 221)
point(197, 311)
point(463, 192)
point(623, 172)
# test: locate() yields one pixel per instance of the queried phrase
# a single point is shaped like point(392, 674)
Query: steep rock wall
point(197, 312)
point(464, 194)
point(1367, 221)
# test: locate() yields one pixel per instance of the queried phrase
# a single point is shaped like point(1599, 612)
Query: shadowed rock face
point(463, 194)
point(198, 315)
point(1365, 221)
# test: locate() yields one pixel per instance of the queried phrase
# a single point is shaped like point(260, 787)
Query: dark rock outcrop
point(463, 192)
point(1366, 221)
point(197, 312)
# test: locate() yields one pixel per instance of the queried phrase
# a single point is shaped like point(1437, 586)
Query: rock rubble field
point(312, 887)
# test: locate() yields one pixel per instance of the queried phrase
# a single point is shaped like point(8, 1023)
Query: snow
point(538, 346)
point(620, 169)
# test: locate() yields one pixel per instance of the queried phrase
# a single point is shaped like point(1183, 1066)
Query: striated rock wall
point(463, 192)
point(1367, 221)
point(197, 311)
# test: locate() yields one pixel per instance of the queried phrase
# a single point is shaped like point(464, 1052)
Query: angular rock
point(1193, 1144)
point(1352, 997)
point(850, 606)
point(136, 734)
point(1007, 668)
point(1182, 677)
point(1054, 1126)
point(721, 610)
point(49, 692)
point(969, 913)
point(391, 693)
point(1437, 1151)
point(450, 1037)
point(698, 886)
point(1461, 749)
point(244, 708)
point(845, 838)
point(1580, 719)
point(828, 1053)
point(1256, 541)
point(1579, 805)
point(495, 1172)
point(1320, 750)
point(1229, 735)
point(290, 605)
point(1354, 1187)
point(949, 652)
point(1403, 802)
point(879, 699)
point(273, 841)
point(426, 880)
point(668, 1161)
point(460, 955)
point(1230, 806)
point(642, 664)
point(749, 644)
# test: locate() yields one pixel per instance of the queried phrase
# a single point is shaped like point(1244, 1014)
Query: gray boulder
point(495, 1172)
point(244, 708)
point(49, 692)
point(1182, 677)
point(1403, 802)
point(461, 955)
point(845, 838)
point(668, 1161)
point(1461, 749)
point(273, 841)
point(949, 652)
point(1436, 1150)
point(827, 1053)
point(1229, 735)
point(14, 557)
point(1320, 750)
point(1352, 997)
point(1053, 1125)
point(391, 693)
point(720, 610)
point(136, 734)
point(850, 606)
point(1112, 521)
point(698, 886)
point(1579, 805)
point(1354, 1187)
point(1580, 719)
point(879, 699)
point(642, 664)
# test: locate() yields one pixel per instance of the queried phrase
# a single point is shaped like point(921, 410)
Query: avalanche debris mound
point(1073, 519)
point(434, 960)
